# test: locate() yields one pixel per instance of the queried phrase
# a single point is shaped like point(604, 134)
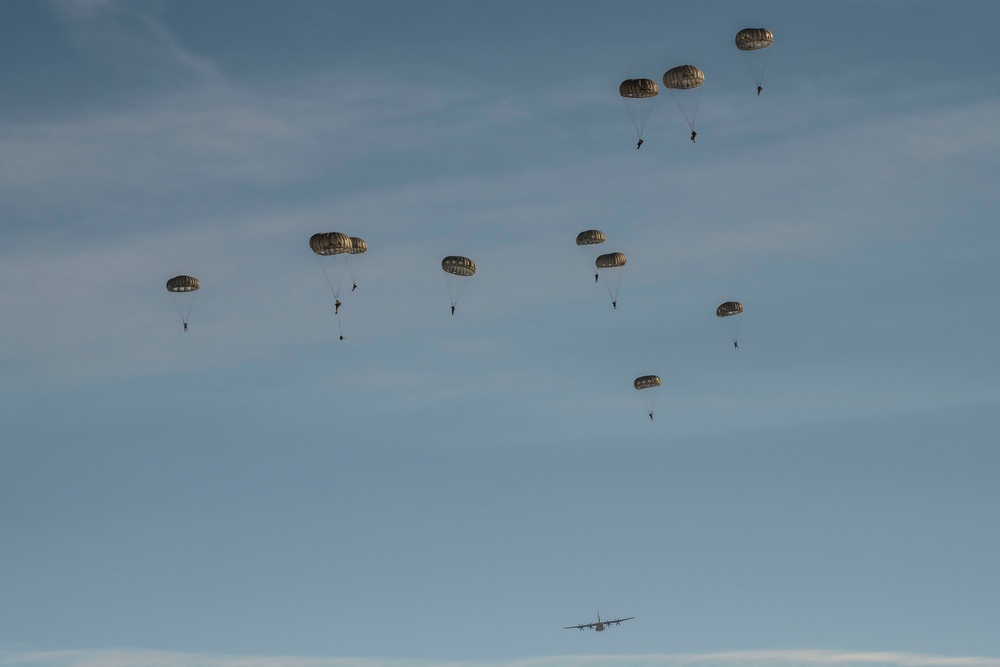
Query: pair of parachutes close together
point(684, 82)
point(647, 385)
point(334, 244)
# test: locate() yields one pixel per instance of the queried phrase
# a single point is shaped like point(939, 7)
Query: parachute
point(729, 308)
point(334, 246)
point(183, 285)
point(639, 96)
point(683, 83)
point(647, 385)
point(457, 270)
point(180, 284)
point(753, 43)
point(326, 244)
point(754, 39)
point(611, 265)
point(458, 266)
point(332, 250)
point(729, 314)
point(588, 238)
point(356, 257)
point(647, 382)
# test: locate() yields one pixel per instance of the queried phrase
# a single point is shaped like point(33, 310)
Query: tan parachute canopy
point(183, 284)
point(646, 381)
point(611, 260)
point(683, 77)
point(638, 88)
point(590, 237)
point(729, 308)
point(458, 265)
point(358, 246)
point(330, 243)
point(751, 39)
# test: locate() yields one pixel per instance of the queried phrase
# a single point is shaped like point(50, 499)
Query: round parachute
point(729, 308)
point(684, 83)
point(358, 246)
point(646, 382)
point(457, 270)
point(458, 266)
point(638, 95)
point(180, 284)
point(753, 43)
point(683, 77)
point(638, 88)
point(730, 313)
point(752, 39)
point(182, 289)
point(330, 243)
point(590, 237)
point(612, 260)
point(332, 250)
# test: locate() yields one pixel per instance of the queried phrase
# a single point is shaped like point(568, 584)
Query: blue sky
point(454, 490)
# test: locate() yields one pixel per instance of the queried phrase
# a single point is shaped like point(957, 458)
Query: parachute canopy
point(183, 284)
point(458, 265)
point(590, 237)
point(646, 382)
point(753, 43)
point(683, 77)
point(639, 96)
point(612, 260)
point(729, 308)
point(330, 243)
point(638, 88)
point(752, 39)
point(358, 246)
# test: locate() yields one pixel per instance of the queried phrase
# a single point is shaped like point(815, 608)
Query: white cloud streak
point(786, 658)
point(78, 294)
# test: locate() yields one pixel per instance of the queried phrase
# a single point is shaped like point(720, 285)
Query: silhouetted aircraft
point(600, 625)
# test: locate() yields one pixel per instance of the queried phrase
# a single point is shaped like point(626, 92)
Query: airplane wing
point(580, 627)
point(618, 621)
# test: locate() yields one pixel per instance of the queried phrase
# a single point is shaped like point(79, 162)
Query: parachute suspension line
point(688, 109)
point(329, 282)
point(612, 293)
point(639, 111)
point(752, 58)
point(185, 313)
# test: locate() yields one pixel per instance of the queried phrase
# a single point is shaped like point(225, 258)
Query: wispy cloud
point(131, 35)
point(128, 195)
point(787, 658)
point(101, 207)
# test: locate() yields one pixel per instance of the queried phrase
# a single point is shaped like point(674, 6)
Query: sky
point(439, 489)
